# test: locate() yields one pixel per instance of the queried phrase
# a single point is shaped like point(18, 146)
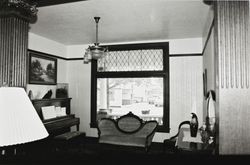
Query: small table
point(187, 144)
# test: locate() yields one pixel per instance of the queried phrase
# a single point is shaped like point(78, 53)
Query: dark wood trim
point(208, 36)
point(120, 47)
point(164, 74)
point(80, 58)
point(170, 55)
point(130, 74)
point(185, 55)
point(46, 54)
point(42, 3)
point(166, 92)
point(55, 56)
point(93, 95)
point(74, 59)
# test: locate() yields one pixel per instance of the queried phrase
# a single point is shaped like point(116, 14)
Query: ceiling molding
point(42, 3)
point(208, 2)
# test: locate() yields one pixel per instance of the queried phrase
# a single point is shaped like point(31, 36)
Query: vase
point(193, 125)
point(30, 94)
point(193, 130)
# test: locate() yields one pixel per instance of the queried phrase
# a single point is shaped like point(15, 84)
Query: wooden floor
point(88, 151)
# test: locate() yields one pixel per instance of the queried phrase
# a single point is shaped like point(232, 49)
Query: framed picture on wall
point(42, 69)
point(205, 83)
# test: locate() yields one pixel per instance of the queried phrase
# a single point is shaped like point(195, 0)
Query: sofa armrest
point(148, 130)
point(149, 139)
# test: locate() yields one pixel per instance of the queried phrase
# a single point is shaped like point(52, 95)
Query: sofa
point(128, 130)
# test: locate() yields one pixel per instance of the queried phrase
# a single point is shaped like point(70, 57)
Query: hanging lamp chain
point(97, 20)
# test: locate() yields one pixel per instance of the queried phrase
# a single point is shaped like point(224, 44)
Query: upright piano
point(58, 125)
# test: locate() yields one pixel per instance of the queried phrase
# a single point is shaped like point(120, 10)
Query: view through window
point(141, 96)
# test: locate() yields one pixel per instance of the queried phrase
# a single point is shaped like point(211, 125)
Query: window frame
point(134, 74)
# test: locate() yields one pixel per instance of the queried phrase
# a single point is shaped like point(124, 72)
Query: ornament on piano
point(48, 95)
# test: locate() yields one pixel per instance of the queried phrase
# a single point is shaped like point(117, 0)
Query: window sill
point(161, 128)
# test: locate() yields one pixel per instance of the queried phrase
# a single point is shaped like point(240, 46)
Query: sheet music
point(63, 111)
point(58, 111)
point(48, 112)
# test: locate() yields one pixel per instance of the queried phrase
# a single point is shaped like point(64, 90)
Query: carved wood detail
point(25, 9)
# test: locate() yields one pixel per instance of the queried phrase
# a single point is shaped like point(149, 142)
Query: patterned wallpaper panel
point(186, 89)
point(13, 51)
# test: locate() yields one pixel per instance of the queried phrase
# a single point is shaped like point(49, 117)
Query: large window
point(132, 78)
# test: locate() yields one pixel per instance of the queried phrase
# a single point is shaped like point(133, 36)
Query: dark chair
point(169, 144)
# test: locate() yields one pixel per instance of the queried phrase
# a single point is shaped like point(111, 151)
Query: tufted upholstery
point(128, 130)
point(129, 124)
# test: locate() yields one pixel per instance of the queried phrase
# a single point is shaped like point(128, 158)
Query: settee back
point(129, 123)
point(126, 124)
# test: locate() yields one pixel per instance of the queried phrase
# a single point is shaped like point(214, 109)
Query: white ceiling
point(121, 20)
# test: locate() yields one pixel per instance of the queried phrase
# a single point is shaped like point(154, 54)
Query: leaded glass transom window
point(132, 60)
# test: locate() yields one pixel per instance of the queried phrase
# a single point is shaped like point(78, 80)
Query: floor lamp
point(19, 121)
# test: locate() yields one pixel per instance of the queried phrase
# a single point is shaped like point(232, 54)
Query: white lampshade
point(19, 121)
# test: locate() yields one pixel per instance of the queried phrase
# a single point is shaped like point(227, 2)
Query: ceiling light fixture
point(95, 52)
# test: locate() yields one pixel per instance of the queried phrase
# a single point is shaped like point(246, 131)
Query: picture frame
point(42, 69)
point(62, 90)
point(205, 83)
